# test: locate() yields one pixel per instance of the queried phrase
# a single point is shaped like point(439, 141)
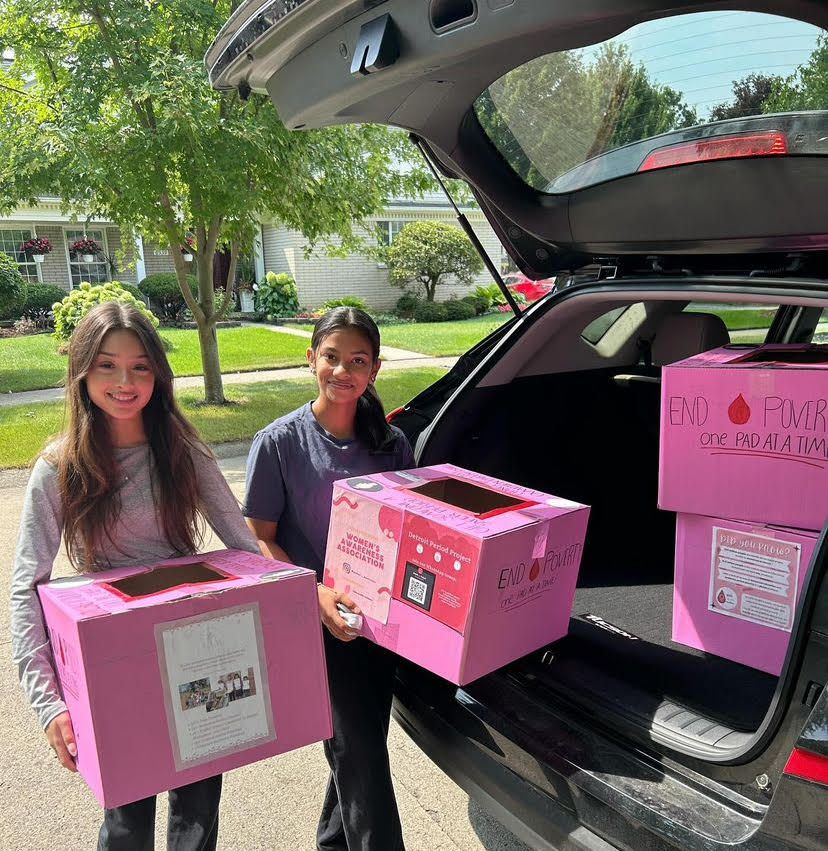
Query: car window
point(577, 117)
point(821, 330)
point(599, 326)
point(746, 323)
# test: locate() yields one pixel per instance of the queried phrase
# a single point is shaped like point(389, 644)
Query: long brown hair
point(88, 479)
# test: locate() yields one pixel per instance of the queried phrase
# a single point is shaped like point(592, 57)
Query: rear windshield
point(574, 118)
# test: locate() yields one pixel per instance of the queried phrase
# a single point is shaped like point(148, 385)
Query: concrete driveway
point(270, 805)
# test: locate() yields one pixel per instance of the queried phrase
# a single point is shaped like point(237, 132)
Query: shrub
point(458, 309)
point(218, 300)
point(21, 328)
point(345, 301)
point(165, 295)
point(277, 295)
point(407, 304)
point(492, 293)
point(390, 319)
point(77, 304)
point(424, 253)
point(40, 298)
point(431, 311)
point(132, 289)
point(479, 304)
point(12, 288)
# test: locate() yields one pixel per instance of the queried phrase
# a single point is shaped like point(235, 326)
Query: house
point(320, 277)
point(125, 257)
point(130, 257)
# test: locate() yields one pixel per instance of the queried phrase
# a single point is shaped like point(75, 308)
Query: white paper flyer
point(214, 673)
point(754, 577)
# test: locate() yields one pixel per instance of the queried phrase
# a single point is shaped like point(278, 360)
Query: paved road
point(270, 805)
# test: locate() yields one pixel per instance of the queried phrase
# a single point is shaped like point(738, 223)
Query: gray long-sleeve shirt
point(138, 538)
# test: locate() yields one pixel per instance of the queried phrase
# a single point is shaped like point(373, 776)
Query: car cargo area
point(593, 437)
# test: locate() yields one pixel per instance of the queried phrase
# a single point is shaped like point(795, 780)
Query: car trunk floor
point(624, 632)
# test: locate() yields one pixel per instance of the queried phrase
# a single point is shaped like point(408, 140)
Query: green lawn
point(442, 338)
point(32, 362)
point(25, 428)
point(439, 339)
point(739, 320)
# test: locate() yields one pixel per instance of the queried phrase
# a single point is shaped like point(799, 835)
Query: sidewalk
point(391, 359)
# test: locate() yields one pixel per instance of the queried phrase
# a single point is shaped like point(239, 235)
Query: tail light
point(760, 144)
point(808, 765)
point(389, 417)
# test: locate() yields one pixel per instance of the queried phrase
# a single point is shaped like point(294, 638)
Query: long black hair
point(370, 426)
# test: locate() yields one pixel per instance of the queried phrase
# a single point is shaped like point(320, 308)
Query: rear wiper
point(467, 228)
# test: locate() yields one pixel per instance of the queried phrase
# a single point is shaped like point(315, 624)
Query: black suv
point(668, 165)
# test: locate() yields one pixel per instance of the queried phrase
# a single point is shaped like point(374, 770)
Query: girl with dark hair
point(291, 469)
point(128, 482)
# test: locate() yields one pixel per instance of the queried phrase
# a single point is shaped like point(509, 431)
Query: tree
point(423, 253)
point(107, 105)
point(749, 96)
point(806, 88)
point(559, 110)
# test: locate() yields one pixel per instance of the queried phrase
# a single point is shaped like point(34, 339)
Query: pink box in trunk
point(183, 670)
point(736, 587)
point(456, 571)
point(744, 434)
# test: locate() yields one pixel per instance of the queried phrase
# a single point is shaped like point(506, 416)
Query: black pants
point(192, 825)
point(359, 812)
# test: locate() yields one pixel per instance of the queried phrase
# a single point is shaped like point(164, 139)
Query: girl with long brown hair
point(128, 482)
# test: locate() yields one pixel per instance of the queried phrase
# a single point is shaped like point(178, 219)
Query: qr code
point(417, 590)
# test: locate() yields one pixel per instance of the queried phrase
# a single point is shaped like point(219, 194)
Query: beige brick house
point(130, 257)
point(321, 277)
point(125, 257)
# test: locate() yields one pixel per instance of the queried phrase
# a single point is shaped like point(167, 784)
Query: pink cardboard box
point(744, 434)
point(736, 588)
point(456, 571)
point(183, 670)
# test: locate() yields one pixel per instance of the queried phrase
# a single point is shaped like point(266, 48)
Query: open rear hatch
point(584, 129)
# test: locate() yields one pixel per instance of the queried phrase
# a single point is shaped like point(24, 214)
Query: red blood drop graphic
point(721, 598)
point(739, 411)
point(534, 570)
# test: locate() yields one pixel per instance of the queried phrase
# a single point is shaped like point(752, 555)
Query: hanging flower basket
point(37, 248)
point(86, 249)
point(187, 248)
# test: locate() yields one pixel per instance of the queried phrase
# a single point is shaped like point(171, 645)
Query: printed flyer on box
point(362, 563)
point(754, 577)
point(214, 674)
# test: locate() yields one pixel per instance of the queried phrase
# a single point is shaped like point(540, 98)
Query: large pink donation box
point(182, 670)
point(454, 570)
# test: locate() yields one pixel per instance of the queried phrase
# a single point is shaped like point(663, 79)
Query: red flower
point(36, 245)
point(84, 246)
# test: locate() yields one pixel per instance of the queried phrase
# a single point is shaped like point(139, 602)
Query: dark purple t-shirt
point(291, 468)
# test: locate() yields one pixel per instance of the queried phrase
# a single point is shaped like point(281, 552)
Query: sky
point(701, 55)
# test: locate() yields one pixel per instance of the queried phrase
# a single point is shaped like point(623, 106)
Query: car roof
point(423, 66)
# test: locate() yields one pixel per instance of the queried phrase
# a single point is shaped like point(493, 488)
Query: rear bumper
point(559, 783)
point(533, 816)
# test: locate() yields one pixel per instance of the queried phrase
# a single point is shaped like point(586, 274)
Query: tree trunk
point(430, 287)
point(213, 385)
point(202, 309)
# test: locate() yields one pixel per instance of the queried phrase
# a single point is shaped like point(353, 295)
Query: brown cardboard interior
point(468, 496)
point(793, 356)
point(163, 578)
